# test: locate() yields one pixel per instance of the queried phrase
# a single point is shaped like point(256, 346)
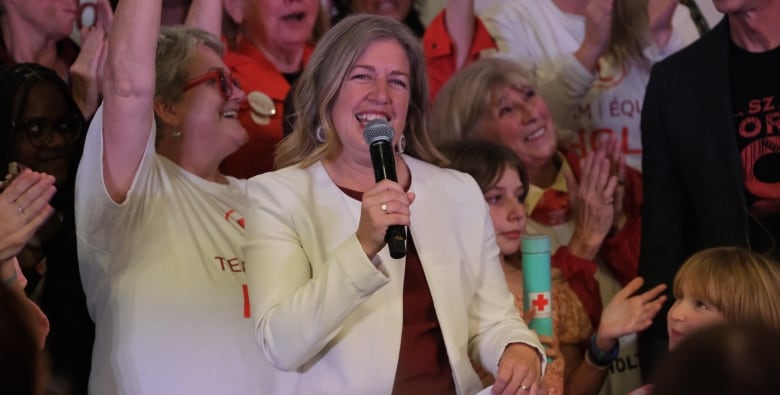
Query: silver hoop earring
point(319, 134)
point(176, 133)
point(401, 146)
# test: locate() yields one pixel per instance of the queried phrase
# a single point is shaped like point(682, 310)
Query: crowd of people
point(194, 203)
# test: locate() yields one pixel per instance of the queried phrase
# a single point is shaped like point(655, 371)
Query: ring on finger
point(524, 388)
point(383, 207)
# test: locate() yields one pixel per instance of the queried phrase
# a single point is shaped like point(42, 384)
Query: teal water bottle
point(536, 282)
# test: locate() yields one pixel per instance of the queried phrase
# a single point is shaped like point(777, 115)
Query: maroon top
point(423, 366)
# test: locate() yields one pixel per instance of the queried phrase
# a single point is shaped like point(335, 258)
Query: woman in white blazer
point(333, 312)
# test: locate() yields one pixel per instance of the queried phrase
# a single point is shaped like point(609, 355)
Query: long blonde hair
point(470, 94)
point(743, 285)
point(630, 33)
point(321, 81)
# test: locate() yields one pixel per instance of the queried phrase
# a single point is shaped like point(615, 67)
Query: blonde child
point(723, 285)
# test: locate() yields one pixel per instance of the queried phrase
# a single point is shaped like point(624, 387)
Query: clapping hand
point(592, 201)
point(24, 207)
point(617, 169)
point(87, 70)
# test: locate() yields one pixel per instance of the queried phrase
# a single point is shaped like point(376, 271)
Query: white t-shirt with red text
point(586, 107)
point(163, 273)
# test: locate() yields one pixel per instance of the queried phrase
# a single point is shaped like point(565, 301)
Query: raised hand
point(660, 13)
point(86, 72)
point(598, 29)
point(618, 169)
point(24, 207)
point(385, 204)
point(627, 313)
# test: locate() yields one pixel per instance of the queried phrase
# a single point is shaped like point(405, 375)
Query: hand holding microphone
point(386, 205)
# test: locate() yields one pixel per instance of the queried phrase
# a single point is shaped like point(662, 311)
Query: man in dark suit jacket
point(711, 149)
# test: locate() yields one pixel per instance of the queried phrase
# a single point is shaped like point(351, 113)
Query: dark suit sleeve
point(666, 209)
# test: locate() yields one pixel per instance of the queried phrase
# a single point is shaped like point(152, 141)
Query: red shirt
point(256, 73)
point(439, 54)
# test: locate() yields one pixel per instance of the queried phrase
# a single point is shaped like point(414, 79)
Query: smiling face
point(208, 119)
point(520, 120)
point(689, 314)
point(377, 86)
point(396, 9)
point(280, 24)
point(505, 200)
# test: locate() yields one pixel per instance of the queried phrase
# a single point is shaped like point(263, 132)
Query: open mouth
point(365, 118)
point(294, 17)
point(535, 135)
point(229, 114)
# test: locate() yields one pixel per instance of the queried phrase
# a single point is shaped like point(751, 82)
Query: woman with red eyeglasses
point(159, 226)
point(269, 42)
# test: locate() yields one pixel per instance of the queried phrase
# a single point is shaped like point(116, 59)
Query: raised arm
point(529, 37)
point(459, 18)
point(206, 15)
point(128, 89)
point(660, 13)
point(86, 73)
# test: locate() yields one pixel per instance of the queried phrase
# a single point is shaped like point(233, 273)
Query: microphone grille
point(377, 130)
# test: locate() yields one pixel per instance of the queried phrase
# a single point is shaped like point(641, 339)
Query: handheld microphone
point(379, 137)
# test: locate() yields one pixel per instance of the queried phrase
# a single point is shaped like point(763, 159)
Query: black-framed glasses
point(226, 82)
point(40, 130)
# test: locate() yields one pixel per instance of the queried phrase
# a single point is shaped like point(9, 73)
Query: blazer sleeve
point(295, 313)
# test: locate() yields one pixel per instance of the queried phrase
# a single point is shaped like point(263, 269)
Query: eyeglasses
point(40, 131)
point(225, 82)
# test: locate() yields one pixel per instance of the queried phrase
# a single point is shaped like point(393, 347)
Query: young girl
point(723, 285)
point(503, 180)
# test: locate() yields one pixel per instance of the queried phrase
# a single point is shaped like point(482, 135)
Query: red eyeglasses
point(224, 80)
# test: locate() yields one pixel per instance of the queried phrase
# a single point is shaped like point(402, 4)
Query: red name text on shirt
point(231, 264)
point(590, 142)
